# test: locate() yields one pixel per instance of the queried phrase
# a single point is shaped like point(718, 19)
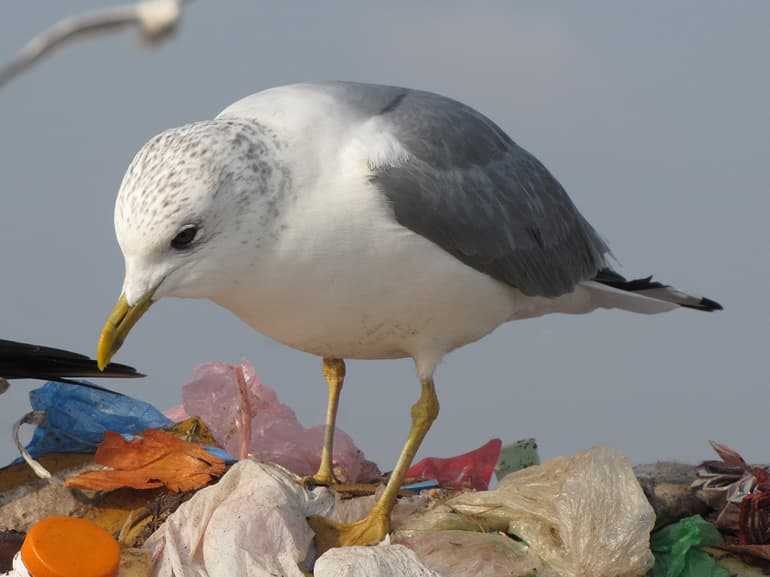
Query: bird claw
point(320, 479)
point(329, 534)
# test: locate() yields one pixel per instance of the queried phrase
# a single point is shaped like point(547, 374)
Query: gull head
point(195, 206)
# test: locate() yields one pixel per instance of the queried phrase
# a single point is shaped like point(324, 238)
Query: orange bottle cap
point(70, 547)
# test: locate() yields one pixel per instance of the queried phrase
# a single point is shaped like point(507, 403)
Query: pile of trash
point(212, 488)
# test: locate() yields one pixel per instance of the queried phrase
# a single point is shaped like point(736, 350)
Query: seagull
point(26, 361)
point(357, 221)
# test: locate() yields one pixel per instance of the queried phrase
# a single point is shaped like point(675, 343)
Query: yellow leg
point(334, 371)
point(372, 529)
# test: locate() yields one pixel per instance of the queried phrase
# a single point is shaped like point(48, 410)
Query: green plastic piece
point(516, 456)
point(677, 550)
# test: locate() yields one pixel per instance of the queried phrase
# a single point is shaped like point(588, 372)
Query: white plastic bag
point(252, 522)
point(384, 560)
point(468, 554)
point(584, 516)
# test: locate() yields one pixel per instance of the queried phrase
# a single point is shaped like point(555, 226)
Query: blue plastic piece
point(222, 454)
point(77, 418)
point(421, 486)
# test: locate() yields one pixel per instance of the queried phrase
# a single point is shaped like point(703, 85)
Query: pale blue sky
point(654, 116)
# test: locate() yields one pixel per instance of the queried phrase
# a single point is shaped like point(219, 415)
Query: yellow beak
point(122, 318)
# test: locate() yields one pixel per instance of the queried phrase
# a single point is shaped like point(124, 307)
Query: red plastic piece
point(471, 470)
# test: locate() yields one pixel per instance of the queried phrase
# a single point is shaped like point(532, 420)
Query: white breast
point(345, 279)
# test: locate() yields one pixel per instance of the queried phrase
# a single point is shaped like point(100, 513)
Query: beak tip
point(102, 360)
point(116, 327)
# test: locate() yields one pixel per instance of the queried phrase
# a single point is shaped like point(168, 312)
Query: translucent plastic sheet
point(584, 516)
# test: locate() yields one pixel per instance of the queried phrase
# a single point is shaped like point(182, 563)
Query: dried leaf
point(728, 455)
point(156, 459)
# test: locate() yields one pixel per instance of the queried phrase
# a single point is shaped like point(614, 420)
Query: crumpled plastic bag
point(584, 516)
point(472, 470)
point(352, 510)
point(156, 459)
point(276, 434)
point(468, 554)
point(384, 560)
point(677, 550)
point(77, 418)
point(252, 522)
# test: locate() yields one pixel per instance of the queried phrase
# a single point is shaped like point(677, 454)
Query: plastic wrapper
point(516, 456)
point(467, 554)
point(276, 435)
point(584, 516)
point(77, 418)
point(154, 460)
point(678, 552)
point(252, 522)
point(471, 470)
point(384, 560)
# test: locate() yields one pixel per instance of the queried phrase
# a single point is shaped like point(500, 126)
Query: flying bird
point(27, 361)
point(356, 221)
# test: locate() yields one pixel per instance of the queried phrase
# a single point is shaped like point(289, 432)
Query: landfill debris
point(517, 456)
point(276, 435)
point(383, 560)
point(134, 563)
point(351, 510)
point(143, 521)
point(421, 486)
point(154, 460)
point(66, 547)
point(678, 550)
point(26, 505)
point(20, 476)
point(741, 562)
point(193, 430)
point(165, 494)
point(76, 418)
point(31, 418)
point(757, 552)
point(472, 470)
point(740, 492)
point(584, 516)
point(10, 543)
point(130, 515)
point(668, 487)
point(469, 554)
point(252, 522)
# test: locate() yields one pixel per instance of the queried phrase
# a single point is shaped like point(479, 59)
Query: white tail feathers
point(607, 297)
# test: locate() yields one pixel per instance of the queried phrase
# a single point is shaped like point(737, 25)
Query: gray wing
point(472, 191)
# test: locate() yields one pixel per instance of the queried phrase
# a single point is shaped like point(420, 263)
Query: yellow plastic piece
point(70, 547)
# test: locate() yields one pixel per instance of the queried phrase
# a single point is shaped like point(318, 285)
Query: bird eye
point(184, 237)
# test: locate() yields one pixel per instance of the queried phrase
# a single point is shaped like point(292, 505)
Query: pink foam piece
point(276, 434)
point(471, 470)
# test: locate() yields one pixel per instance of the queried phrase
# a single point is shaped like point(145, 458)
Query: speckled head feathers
point(220, 176)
